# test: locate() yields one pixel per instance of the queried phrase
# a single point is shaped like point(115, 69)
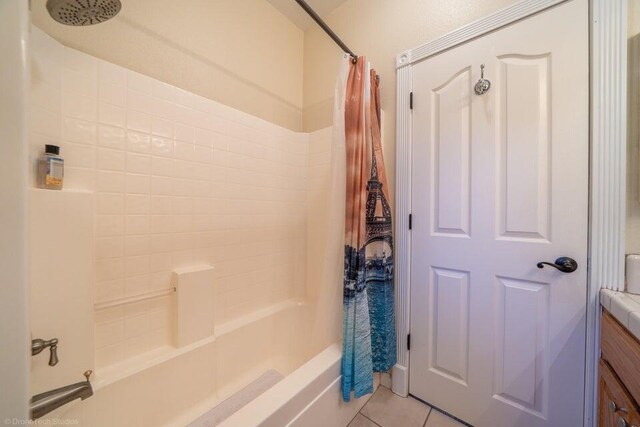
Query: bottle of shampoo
point(51, 168)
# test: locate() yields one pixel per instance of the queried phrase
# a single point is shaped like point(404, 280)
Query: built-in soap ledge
point(132, 366)
point(194, 304)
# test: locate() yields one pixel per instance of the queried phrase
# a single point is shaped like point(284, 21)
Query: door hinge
point(408, 341)
point(410, 221)
point(411, 100)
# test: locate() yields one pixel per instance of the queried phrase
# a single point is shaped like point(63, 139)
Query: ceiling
point(294, 12)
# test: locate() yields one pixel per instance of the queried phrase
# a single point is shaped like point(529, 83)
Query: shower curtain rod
point(312, 13)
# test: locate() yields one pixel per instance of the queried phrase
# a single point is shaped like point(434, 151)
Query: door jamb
point(608, 59)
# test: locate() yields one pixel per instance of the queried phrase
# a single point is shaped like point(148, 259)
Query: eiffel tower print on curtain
point(379, 270)
point(378, 223)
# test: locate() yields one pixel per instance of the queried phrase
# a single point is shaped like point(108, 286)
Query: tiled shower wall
point(322, 288)
point(319, 185)
point(178, 180)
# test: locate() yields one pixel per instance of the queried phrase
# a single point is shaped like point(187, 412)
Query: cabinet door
point(605, 416)
point(615, 407)
point(621, 351)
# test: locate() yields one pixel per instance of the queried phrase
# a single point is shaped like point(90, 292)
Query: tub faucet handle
point(87, 374)
point(39, 344)
point(53, 355)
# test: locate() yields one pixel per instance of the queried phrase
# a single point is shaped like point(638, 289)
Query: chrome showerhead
point(83, 12)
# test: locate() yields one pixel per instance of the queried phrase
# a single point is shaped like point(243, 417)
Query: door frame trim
point(475, 29)
point(608, 174)
point(607, 192)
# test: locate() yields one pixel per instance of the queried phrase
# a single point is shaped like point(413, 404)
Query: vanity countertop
point(624, 307)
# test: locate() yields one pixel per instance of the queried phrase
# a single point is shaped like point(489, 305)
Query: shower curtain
point(369, 334)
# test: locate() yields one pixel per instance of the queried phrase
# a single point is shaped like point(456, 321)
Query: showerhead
point(83, 12)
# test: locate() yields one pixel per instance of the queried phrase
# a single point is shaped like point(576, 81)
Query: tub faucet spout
point(43, 403)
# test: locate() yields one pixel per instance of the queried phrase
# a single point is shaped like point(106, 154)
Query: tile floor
point(386, 409)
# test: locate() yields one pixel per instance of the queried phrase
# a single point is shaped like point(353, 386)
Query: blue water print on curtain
point(369, 322)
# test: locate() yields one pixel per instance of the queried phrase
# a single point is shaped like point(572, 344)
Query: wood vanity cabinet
point(619, 371)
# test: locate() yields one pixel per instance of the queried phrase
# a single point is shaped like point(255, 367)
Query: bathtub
point(175, 386)
point(308, 397)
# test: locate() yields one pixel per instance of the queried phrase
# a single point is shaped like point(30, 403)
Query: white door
point(499, 183)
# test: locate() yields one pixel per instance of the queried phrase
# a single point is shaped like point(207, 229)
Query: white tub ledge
point(308, 397)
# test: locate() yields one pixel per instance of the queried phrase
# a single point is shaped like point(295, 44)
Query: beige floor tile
point(362, 421)
point(390, 410)
point(438, 419)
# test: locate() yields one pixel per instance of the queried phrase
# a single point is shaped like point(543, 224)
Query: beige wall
point(633, 129)
point(242, 53)
point(380, 30)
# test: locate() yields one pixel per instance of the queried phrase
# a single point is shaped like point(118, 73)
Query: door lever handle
point(564, 264)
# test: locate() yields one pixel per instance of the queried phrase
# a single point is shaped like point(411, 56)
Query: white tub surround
point(175, 386)
point(624, 307)
point(179, 181)
point(284, 310)
point(61, 260)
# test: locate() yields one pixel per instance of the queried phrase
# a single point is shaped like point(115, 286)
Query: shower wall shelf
point(134, 298)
